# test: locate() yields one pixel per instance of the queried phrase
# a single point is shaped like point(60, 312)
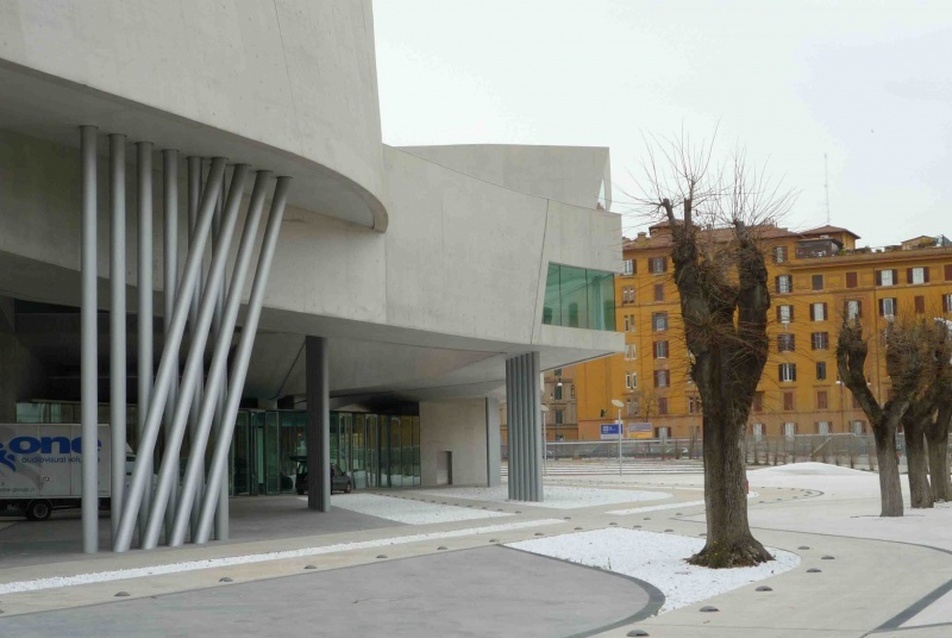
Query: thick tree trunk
point(938, 439)
point(729, 541)
point(920, 492)
point(890, 487)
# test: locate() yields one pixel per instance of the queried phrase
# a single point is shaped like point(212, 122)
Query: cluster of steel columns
point(523, 414)
point(204, 299)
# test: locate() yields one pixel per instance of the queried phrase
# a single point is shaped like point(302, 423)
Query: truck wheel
point(39, 510)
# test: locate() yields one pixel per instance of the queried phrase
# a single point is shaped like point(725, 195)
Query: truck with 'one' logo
point(41, 467)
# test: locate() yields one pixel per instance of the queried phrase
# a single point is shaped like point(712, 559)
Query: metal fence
point(849, 450)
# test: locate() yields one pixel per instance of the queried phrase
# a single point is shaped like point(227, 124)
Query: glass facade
point(579, 298)
point(375, 450)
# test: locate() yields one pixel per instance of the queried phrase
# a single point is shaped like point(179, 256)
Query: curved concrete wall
point(296, 75)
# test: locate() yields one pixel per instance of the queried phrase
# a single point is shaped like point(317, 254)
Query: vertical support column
point(493, 444)
point(144, 166)
point(239, 371)
point(318, 425)
point(117, 324)
point(194, 180)
point(89, 375)
point(523, 411)
point(169, 286)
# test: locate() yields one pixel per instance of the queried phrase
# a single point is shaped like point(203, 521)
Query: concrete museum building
point(209, 258)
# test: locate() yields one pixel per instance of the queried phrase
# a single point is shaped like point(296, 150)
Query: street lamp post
point(545, 441)
point(618, 404)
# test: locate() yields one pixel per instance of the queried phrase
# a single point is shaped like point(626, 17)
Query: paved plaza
point(458, 562)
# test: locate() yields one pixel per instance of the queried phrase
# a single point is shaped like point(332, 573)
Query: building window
point(559, 417)
point(918, 275)
point(784, 283)
point(628, 267)
point(694, 405)
point(947, 303)
point(660, 349)
point(663, 431)
point(886, 277)
point(920, 302)
point(786, 342)
point(630, 351)
point(789, 430)
point(851, 280)
point(887, 307)
point(629, 323)
point(820, 341)
point(817, 282)
point(779, 254)
point(818, 311)
point(758, 403)
point(557, 392)
point(820, 370)
point(758, 431)
point(785, 314)
point(630, 380)
point(789, 401)
point(822, 400)
point(788, 371)
point(662, 405)
point(628, 294)
point(659, 321)
point(659, 292)
point(823, 427)
point(571, 391)
point(858, 427)
point(631, 407)
point(657, 265)
point(662, 378)
point(853, 309)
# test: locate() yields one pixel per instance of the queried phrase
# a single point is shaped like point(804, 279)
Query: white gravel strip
point(556, 496)
point(211, 563)
point(657, 559)
point(410, 512)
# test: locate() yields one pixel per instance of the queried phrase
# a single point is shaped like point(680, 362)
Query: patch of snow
point(810, 468)
point(657, 559)
point(410, 512)
point(556, 496)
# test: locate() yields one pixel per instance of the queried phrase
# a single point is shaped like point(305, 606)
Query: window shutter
point(791, 314)
point(825, 314)
point(920, 304)
point(925, 274)
point(879, 277)
point(908, 275)
point(948, 272)
point(780, 372)
point(851, 280)
point(664, 264)
point(778, 314)
point(859, 308)
point(882, 313)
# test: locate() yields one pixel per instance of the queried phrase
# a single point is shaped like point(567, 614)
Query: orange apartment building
point(815, 276)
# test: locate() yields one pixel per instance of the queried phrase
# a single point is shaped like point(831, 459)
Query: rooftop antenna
point(826, 187)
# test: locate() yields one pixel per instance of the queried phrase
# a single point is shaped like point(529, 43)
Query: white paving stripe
point(211, 563)
point(666, 506)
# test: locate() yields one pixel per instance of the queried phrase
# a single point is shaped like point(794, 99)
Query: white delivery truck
point(41, 468)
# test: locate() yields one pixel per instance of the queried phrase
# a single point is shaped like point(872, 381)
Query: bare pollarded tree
point(911, 365)
point(716, 214)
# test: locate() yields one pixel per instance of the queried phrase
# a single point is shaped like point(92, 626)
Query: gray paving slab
point(485, 592)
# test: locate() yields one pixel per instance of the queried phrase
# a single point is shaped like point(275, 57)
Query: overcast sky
point(869, 84)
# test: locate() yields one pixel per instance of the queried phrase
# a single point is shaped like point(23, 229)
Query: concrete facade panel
point(458, 427)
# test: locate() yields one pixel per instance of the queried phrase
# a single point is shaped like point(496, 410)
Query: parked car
point(340, 482)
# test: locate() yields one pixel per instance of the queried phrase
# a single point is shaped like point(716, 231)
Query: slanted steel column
point(145, 326)
point(168, 364)
point(194, 364)
point(219, 362)
point(318, 424)
point(89, 374)
point(195, 175)
point(169, 285)
point(117, 324)
point(523, 413)
point(219, 464)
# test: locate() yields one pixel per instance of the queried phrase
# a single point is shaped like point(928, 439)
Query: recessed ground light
point(518, 511)
point(310, 567)
point(703, 534)
point(578, 529)
point(637, 632)
point(709, 608)
point(678, 514)
point(566, 518)
point(225, 579)
point(636, 527)
point(828, 558)
point(441, 547)
point(613, 524)
point(669, 530)
point(804, 547)
point(539, 534)
point(764, 588)
point(814, 570)
point(493, 540)
point(646, 518)
point(121, 594)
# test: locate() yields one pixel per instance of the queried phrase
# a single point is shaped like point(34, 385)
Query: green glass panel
point(552, 308)
point(574, 297)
